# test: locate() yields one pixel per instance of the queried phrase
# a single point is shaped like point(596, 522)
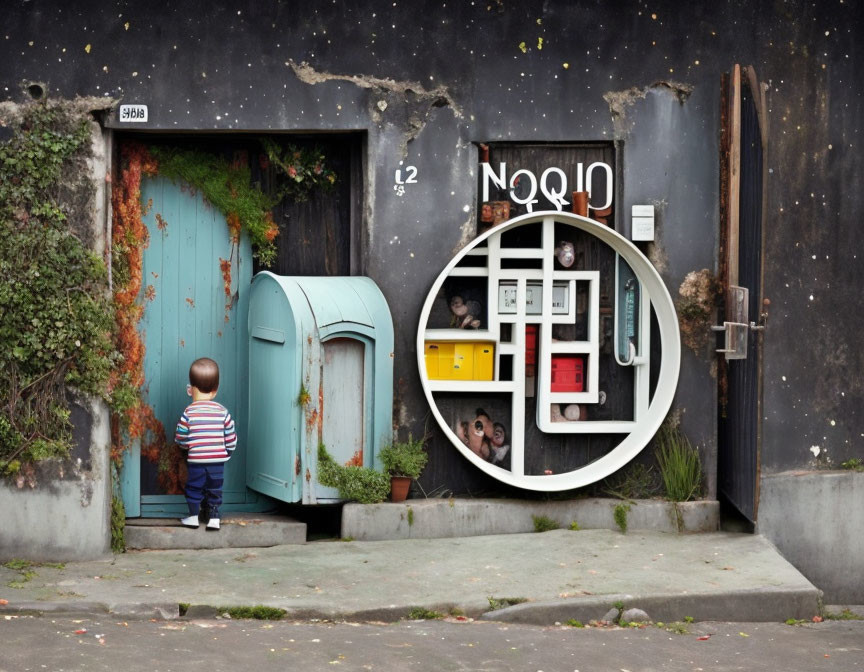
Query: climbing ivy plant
point(56, 318)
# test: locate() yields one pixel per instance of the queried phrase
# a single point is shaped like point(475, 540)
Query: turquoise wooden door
point(187, 314)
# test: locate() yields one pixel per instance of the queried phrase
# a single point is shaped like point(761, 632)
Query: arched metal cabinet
point(320, 371)
point(497, 276)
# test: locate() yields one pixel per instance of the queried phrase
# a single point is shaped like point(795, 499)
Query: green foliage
point(304, 396)
point(421, 614)
point(795, 621)
point(574, 526)
point(259, 613)
point(496, 603)
point(677, 627)
point(618, 604)
point(544, 524)
point(410, 516)
point(573, 623)
point(228, 188)
point(620, 514)
point(56, 318)
point(845, 615)
point(183, 607)
point(358, 484)
point(854, 464)
point(26, 570)
point(301, 170)
point(688, 619)
point(680, 467)
point(404, 458)
point(118, 525)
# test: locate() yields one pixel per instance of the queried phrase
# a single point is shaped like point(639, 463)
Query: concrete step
point(438, 518)
point(239, 530)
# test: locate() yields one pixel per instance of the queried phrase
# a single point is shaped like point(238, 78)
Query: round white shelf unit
point(648, 416)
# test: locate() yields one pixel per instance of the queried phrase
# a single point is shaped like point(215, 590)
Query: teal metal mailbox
point(320, 371)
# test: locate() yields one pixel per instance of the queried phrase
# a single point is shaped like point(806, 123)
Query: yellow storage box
point(463, 360)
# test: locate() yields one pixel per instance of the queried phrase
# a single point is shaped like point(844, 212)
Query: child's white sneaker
point(190, 521)
point(213, 524)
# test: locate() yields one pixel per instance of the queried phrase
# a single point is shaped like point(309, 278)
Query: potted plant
point(403, 460)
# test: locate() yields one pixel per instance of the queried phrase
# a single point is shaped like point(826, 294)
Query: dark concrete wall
point(427, 79)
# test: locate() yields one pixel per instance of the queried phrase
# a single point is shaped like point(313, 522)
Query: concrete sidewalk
point(562, 575)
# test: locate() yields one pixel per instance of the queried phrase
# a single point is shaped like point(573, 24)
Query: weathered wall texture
point(426, 80)
point(67, 515)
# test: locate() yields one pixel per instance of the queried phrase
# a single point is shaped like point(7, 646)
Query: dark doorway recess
point(321, 236)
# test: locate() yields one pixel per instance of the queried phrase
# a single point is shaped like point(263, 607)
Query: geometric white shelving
point(540, 273)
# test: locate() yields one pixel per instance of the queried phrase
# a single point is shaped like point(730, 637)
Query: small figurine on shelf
point(480, 434)
point(466, 314)
point(575, 412)
point(555, 414)
point(499, 448)
point(565, 253)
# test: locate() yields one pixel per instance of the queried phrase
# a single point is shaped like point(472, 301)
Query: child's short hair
point(204, 374)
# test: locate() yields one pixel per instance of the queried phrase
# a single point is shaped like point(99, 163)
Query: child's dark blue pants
point(205, 482)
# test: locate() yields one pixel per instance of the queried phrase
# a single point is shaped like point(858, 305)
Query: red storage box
point(568, 373)
point(530, 343)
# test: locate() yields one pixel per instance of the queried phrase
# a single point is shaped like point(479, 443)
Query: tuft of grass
point(854, 464)
point(18, 565)
point(795, 621)
point(845, 615)
point(421, 614)
point(620, 515)
point(688, 619)
point(183, 607)
point(574, 526)
point(456, 611)
point(496, 603)
point(677, 627)
point(258, 613)
point(544, 524)
point(573, 623)
point(680, 467)
point(410, 516)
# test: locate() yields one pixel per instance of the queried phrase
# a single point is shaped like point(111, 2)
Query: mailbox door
point(273, 463)
point(343, 405)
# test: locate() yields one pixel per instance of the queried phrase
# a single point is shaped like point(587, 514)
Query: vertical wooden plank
point(734, 177)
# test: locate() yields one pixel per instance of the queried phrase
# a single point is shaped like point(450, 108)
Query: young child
point(206, 432)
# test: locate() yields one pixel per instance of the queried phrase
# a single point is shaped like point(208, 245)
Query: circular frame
point(661, 402)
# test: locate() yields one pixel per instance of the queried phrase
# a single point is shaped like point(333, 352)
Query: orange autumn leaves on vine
point(129, 239)
point(136, 419)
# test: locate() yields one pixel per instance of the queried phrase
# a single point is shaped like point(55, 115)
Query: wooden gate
point(743, 195)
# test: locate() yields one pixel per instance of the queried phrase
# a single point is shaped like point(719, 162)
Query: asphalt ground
point(67, 645)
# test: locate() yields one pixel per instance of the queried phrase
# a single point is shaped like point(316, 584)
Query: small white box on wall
point(642, 229)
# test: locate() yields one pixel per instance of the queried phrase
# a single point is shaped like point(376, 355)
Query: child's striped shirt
point(206, 430)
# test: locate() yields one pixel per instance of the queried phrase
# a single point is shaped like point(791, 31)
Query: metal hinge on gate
point(738, 329)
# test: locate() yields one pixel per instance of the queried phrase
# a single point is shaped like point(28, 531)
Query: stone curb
point(750, 606)
point(766, 605)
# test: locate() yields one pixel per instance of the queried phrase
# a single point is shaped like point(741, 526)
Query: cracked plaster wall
point(426, 84)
